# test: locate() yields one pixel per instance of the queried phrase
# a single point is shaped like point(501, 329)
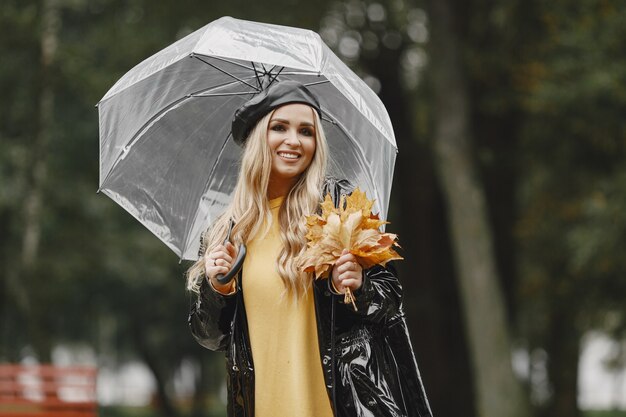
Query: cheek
point(310, 150)
point(272, 142)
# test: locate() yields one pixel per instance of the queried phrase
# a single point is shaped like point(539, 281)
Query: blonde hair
point(250, 208)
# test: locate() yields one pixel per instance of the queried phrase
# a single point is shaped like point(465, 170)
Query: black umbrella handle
point(236, 267)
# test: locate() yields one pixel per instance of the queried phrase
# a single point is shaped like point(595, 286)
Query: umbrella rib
point(148, 123)
point(277, 74)
point(301, 73)
point(317, 82)
point(256, 74)
point(243, 93)
point(227, 60)
point(226, 73)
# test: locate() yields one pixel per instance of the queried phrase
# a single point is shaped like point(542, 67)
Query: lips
point(289, 155)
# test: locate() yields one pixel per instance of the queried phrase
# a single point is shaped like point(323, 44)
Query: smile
point(288, 155)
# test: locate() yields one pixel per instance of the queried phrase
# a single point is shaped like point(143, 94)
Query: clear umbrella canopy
point(166, 155)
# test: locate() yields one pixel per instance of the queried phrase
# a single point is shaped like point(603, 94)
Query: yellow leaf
point(348, 229)
point(352, 226)
point(372, 222)
point(327, 207)
point(358, 201)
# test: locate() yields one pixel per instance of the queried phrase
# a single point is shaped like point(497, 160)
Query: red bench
point(47, 391)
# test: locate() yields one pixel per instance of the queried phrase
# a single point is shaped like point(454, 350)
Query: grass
point(603, 413)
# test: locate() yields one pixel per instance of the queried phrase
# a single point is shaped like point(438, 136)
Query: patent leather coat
point(367, 358)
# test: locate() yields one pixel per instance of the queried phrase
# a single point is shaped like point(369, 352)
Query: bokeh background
point(509, 198)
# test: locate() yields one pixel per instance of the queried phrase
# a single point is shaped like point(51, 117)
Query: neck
point(277, 189)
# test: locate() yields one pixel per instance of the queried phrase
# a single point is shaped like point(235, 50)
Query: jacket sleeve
point(380, 296)
point(211, 317)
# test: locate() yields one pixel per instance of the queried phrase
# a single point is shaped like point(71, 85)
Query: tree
point(571, 86)
point(498, 393)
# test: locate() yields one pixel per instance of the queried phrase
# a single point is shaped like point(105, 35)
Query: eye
point(278, 127)
point(307, 131)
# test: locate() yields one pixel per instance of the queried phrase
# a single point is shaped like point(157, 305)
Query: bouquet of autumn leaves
point(351, 226)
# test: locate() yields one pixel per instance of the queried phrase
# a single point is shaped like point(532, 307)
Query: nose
point(291, 137)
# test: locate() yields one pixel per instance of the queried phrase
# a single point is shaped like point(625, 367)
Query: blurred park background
point(509, 198)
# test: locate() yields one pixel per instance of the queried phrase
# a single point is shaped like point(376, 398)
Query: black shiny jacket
point(367, 358)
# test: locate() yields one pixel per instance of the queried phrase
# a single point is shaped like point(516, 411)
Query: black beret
point(278, 94)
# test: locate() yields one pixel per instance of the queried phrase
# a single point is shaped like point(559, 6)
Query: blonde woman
point(292, 347)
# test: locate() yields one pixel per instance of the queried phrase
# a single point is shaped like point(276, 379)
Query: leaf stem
point(348, 298)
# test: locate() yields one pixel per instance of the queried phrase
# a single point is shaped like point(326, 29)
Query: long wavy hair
point(251, 213)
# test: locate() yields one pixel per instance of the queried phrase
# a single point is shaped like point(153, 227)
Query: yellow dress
point(283, 335)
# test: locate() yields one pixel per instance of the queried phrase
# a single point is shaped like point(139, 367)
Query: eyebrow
point(285, 121)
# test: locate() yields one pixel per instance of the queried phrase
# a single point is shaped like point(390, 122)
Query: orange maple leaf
point(351, 226)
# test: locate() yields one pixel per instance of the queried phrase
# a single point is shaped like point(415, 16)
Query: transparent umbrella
point(166, 153)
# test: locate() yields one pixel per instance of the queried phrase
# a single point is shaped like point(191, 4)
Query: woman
point(292, 347)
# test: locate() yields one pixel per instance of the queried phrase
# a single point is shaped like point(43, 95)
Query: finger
point(345, 256)
point(214, 252)
point(232, 250)
point(220, 252)
point(352, 283)
point(217, 259)
point(222, 270)
point(348, 257)
point(351, 274)
point(347, 275)
point(222, 263)
point(220, 248)
point(339, 286)
point(348, 267)
point(223, 255)
point(342, 269)
point(214, 271)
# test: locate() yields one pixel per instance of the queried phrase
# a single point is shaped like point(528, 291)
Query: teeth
point(288, 155)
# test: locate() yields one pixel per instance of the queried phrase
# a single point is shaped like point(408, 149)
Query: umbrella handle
point(225, 279)
point(241, 255)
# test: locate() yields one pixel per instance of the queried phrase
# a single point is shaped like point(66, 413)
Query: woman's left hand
point(347, 273)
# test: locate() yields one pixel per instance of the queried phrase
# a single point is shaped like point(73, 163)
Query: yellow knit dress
point(283, 335)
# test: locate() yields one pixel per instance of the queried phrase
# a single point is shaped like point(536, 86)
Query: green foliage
point(548, 97)
point(573, 149)
point(604, 413)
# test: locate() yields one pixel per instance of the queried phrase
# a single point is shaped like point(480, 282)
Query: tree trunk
point(563, 350)
point(498, 393)
point(38, 174)
point(163, 401)
point(203, 386)
point(23, 275)
point(431, 300)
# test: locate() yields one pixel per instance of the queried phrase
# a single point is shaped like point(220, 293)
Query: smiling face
point(291, 139)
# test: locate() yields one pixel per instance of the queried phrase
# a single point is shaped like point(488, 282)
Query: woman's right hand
point(219, 262)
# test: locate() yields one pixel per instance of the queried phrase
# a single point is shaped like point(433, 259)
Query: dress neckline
point(276, 202)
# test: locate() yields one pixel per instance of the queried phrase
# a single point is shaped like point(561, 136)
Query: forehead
point(294, 111)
